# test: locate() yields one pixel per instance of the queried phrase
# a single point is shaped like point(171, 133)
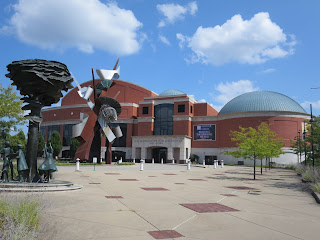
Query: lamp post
point(299, 139)
point(311, 127)
point(304, 144)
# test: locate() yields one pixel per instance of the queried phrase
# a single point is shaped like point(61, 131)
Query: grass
point(126, 163)
point(316, 187)
point(20, 217)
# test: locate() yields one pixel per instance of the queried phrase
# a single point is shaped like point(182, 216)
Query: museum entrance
point(158, 153)
point(209, 159)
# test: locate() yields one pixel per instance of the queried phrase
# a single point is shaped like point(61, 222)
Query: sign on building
point(204, 132)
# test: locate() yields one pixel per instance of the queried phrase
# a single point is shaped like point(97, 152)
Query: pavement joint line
point(226, 196)
point(184, 222)
point(265, 226)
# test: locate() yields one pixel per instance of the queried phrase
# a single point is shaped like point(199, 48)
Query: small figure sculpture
point(48, 166)
point(22, 165)
point(6, 151)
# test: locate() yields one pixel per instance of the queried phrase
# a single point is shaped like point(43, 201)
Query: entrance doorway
point(158, 153)
point(209, 159)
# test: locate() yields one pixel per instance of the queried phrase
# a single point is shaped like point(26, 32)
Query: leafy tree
point(41, 145)
point(56, 143)
point(194, 158)
point(11, 113)
point(19, 138)
point(74, 144)
point(256, 143)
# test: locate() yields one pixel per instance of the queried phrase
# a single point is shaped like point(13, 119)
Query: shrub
point(316, 187)
point(300, 169)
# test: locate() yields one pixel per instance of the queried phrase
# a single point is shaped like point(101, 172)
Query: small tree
point(19, 138)
point(256, 143)
point(56, 143)
point(74, 144)
point(41, 145)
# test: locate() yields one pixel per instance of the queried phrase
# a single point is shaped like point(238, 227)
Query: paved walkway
point(169, 202)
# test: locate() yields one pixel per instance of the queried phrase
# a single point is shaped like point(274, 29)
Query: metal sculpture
point(41, 82)
point(105, 110)
point(48, 166)
point(7, 154)
point(22, 165)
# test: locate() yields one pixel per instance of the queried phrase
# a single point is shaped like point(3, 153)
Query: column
point(170, 154)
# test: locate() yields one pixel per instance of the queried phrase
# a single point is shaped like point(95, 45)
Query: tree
point(11, 113)
point(41, 145)
point(256, 143)
point(19, 138)
point(74, 144)
point(56, 143)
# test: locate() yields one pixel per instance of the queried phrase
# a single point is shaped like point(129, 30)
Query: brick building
point(173, 125)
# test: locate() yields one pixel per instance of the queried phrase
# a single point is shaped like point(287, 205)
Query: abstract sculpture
point(105, 110)
point(41, 83)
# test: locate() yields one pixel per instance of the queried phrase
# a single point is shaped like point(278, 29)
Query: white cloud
point(269, 70)
point(315, 105)
point(164, 40)
point(173, 12)
point(251, 41)
point(84, 24)
point(228, 91)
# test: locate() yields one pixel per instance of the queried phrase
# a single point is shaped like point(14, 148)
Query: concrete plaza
point(170, 202)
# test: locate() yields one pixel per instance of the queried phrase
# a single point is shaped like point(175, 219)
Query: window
point(181, 108)
point(53, 128)
point(145, 110)
point(43, 131)
point(163, 123)
point(67, 134)
point(190, 109)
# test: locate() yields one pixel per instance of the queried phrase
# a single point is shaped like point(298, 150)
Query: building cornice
point(145, 119)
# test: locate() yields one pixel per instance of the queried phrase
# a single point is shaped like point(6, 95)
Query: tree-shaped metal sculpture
point(41, 83)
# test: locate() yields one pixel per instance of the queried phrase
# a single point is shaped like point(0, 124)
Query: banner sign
point(204, 132)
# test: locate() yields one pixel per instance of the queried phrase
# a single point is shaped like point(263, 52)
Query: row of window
point(181, 108)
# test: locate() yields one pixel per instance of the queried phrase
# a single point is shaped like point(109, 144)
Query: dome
point(171, 92)
point(261, 101)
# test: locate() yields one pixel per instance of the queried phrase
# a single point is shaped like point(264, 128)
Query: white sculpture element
point(108, 74)
point(84, 92)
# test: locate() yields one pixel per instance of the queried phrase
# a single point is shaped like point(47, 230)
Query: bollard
point(172, 160)
point(120, 161)
point(161, 160)
point(204, 163)
point(141, 164)
point(215, 164)
point(152, 160)
point(94, 160)
point(188, 164)
point(78, 164)
point(222, 165)
point(134, 160)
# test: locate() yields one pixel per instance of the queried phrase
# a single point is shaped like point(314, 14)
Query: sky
point(211, 49)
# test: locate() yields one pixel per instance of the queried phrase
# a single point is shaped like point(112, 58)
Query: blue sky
point(213, 50)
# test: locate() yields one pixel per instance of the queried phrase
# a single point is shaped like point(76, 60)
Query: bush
point(316, 187)
point(56, 143)
point(300, 169)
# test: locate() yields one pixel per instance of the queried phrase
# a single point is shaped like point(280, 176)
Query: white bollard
point(161, 160)
point(214, 163)
point(141, 164)
point(120, 161)
point(188, 164)
point(204, 163)
point(134, 160)
point(78, 164)
point(222, 165)
point(172, 160)
point(152, 160)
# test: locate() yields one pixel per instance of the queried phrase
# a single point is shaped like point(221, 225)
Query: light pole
point(312, 148)
point(304, 144)
point(299, 144)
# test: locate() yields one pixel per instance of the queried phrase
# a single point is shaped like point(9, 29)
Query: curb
point(316, 196)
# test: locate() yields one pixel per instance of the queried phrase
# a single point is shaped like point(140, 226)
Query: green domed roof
point(261, 101)
point(171, 92)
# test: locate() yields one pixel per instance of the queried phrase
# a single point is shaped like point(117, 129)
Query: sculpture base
point(52, 186)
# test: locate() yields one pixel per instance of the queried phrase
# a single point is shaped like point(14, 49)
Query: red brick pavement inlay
point(165, 234)
point(242, 188)
point(113, 196)
point(208, 207)
point(128, 179)
point(112, 173)
point(229, 195)
point(197, 179)
point(155, 189)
